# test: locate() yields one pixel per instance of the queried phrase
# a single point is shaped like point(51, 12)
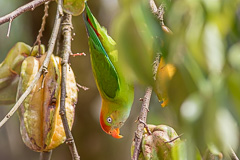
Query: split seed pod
point(40, 123)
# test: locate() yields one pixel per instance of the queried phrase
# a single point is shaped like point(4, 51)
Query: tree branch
point(46, 155)
point(29, 6)
point(141, 123)
point(41, 70)
point(157, 12)
point(67, 37)
point(143, 114)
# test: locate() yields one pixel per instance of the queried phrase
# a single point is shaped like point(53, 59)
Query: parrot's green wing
point(104, 71)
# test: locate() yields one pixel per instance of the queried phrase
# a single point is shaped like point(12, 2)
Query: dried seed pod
point(40, 123)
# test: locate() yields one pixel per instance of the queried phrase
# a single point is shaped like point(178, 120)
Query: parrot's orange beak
point(115, 133)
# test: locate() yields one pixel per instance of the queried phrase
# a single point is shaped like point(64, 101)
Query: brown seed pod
point(40, 123)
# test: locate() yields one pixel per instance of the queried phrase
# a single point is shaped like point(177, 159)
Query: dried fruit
point(40, 123)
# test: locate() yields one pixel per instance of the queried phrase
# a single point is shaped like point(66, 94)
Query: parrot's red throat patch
point(92, 26)
point(113, 132)
point(103, 124)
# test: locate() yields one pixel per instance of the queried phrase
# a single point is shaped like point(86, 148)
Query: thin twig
point(155, 65)
point(58, 44)
point(40, 32)
point(145, 126)
point(82, 87)
point(40, 72)
point(153, 7)
point(9, 27)
point(29, 6)
point(233, 154)
point(78, 54)
point(159, 12)
point(45, 155)
point(170, 141)
point(67, 36)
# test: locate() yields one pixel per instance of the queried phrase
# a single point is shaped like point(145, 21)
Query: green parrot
point(116, 91)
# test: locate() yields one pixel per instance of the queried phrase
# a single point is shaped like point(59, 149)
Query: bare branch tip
point(78, 54)
point(9, 26)
point(82, 87)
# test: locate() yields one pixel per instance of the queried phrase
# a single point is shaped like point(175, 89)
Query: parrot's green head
point(112, 118)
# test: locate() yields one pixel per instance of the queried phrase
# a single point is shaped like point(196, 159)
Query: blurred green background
point(204, 93)
point(91, 141)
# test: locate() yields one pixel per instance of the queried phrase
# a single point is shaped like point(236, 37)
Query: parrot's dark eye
point(109, 120)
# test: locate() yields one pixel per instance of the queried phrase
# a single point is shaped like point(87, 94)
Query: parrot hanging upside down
point(116, 92)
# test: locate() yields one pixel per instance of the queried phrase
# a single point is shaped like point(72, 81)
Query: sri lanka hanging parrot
point(116, 92)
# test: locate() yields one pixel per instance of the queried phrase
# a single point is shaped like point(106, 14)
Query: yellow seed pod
point(40, 123)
